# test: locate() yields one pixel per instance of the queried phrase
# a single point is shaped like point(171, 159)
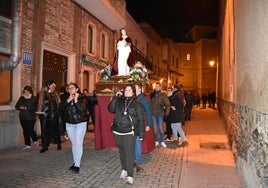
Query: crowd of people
point(67, 115)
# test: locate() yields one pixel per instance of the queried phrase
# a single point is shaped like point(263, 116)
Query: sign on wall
point(27, 58)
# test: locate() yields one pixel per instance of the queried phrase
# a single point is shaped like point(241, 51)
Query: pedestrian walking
point(64, 95)
point(176, 115)
point(189, 99)
point(128, 124)
point(26, 105)
point(148, 122)
point(76, 114)
point(160, 108)
point(48, 112)
point(168, 124)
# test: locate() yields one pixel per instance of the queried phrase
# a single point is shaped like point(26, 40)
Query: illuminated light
point(212, 63)
point(188, 57)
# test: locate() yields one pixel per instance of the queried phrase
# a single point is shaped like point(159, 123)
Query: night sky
point(174, 18)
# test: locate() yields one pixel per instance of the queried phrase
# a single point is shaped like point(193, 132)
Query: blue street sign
point(27, 58)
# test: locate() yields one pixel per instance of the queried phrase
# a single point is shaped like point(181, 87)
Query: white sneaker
point(156, 144)
point(130, 180)
point(163, 144)
point(25, 147)
point(168, 140)
point(123, 174)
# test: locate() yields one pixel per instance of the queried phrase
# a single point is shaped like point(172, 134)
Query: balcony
point(139, 56)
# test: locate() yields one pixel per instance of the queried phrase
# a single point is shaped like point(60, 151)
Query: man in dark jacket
point(160, 108)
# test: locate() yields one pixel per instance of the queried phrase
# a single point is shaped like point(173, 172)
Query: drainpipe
point(16, 25)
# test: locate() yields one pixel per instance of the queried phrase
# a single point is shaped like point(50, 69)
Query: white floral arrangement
point(106, 73)
point(139, 73)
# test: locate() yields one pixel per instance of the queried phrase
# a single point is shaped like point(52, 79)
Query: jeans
point(158, 125)
point(76, 133)
point(176, 127)
point(126, 145)
point(138, 151)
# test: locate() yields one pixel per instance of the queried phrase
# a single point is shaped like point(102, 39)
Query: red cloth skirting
point(103, 134)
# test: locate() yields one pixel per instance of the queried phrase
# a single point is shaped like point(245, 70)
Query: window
point(5, 8)
point(188, 57)
point(91, 38)
point(104, 46)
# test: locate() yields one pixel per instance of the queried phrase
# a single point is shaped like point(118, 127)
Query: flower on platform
point(139, 73)
point(106, 73)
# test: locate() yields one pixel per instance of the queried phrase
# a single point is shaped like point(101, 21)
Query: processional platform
point(114, 84)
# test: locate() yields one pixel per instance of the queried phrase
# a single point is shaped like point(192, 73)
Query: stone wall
point(248, 136)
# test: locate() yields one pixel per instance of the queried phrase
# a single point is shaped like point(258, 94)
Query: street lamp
point(212, 63)
point(215, 65)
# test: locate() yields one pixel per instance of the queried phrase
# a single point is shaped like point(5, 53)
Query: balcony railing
point(139, 56)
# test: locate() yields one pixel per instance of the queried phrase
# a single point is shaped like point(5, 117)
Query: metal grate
point(213, 145)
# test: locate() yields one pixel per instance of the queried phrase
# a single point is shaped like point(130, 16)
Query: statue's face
point(123, 32)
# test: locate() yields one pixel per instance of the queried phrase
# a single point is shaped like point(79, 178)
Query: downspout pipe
point(16, 28)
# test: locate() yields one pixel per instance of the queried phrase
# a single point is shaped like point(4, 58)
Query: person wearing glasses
point(76, 116)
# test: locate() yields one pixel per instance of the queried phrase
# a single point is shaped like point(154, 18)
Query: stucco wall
point(243, 85)
point(251, 44)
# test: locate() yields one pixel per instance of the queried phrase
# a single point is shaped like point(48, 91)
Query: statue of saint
point(123, 58)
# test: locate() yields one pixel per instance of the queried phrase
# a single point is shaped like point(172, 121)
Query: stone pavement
point(206, 163)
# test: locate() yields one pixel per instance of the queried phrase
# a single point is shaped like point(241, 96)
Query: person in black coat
point(168, 124)
point(93, 101)
point(48, 112)
point(128, 123)
point(76, 115)
point(175, 116)
point(64, 95)
point(26, 105)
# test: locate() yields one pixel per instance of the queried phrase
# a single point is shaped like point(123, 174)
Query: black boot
point(76, 169)
point(59, 146)
point(71, 167)
point(43, 150)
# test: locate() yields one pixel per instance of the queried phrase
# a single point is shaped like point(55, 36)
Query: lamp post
point(215, 66)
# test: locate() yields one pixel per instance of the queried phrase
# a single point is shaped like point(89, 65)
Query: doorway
point(55, 67)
